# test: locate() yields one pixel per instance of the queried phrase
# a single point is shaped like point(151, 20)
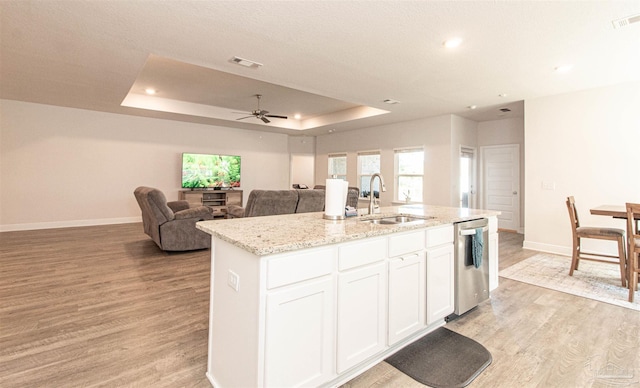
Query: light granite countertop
point(276, 234)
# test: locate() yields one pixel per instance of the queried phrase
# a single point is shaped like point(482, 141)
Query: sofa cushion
point(271, 202)
point(310, 201)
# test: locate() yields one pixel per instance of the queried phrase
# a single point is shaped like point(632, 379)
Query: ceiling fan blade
point(242, 118)
point(266, 121)
point(242, 113)
point(277, 117)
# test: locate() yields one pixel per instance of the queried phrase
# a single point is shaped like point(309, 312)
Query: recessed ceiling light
point(502, 95)
point(391, 101)
point(472, 106)
point(563, 68)
point(245, 62)
point(297, 116)
point(150, 91)
point(452, 43)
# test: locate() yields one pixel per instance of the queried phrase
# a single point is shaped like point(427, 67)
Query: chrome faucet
point(371, 196)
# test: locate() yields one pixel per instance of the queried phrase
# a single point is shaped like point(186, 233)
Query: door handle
point(469, 232)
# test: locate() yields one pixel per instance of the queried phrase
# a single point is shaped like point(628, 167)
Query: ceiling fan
point(261, 114)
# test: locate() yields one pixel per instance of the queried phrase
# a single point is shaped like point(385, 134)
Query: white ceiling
point(324, 59)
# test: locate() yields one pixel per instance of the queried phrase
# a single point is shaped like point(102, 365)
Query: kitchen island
point(297, 300)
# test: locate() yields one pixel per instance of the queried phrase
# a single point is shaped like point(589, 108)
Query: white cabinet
point(361, 314)
point(440, 278)
point(407, 295)
point(299, 334)
point(317, 316)
point(440, 273)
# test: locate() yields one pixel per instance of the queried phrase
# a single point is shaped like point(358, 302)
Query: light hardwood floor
point(103, 306)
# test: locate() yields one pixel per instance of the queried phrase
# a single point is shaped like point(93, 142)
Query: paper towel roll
point(335, 198)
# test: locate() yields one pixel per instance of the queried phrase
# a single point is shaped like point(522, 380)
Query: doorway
point(302, 170)
point(467, 177)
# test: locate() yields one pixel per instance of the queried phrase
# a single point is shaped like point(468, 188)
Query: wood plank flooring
point(104, 307)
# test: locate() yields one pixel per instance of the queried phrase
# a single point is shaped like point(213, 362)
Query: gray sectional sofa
point(274, 202)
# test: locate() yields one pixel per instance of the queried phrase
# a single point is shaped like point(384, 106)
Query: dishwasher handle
point(470, 231)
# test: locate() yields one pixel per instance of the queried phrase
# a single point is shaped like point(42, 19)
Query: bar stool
point(580, 232)
point(633, 247)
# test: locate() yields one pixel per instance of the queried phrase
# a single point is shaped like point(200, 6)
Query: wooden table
point(615, 211)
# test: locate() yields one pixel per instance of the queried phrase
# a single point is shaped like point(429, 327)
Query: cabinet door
point(407, 296)
point(193, 197)
point(299, 335)
point(440, 280)
point(361, 314)
point(493, 261)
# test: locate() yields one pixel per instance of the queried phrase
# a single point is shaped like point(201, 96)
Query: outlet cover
point(233, 280)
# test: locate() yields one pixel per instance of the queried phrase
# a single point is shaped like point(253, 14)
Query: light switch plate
point(548, 185)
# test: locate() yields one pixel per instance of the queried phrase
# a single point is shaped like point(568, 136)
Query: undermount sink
point(396, 220)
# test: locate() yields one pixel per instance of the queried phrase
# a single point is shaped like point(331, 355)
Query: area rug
point(593, 280)
point(442, 358)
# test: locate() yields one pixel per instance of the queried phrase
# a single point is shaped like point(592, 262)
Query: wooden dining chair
point(633, 247)
point(580, 232)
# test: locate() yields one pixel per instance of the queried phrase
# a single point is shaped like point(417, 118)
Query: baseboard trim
point(547, 248)
point(68, 224)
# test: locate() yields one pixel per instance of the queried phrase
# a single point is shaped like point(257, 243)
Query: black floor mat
point(442, 358)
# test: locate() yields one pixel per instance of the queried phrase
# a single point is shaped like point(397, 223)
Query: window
point(338, 166)
point(409, 174)
point(467, 177)
point(368, 164)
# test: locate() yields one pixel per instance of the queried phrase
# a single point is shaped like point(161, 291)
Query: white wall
point(587, 143)
point(67, 167)
point(432, 133)
point(303, 156)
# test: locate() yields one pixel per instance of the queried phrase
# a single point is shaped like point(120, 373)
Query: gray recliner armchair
point(172, 225)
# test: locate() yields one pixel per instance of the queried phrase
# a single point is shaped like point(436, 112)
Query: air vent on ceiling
point(505, 110)
point(626, 21)
point(245, 62)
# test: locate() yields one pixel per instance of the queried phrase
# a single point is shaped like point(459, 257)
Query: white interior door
point(501, 183)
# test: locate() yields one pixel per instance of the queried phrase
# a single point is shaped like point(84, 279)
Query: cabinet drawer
point(362, 253)
point(439, 236)
point(298, 267)
point(406, 243)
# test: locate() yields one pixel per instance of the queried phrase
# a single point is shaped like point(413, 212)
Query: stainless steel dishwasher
point(471, 283)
